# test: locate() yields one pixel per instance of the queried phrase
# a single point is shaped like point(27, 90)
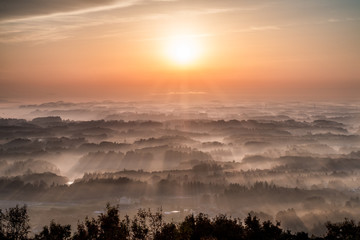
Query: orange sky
point(117, 49)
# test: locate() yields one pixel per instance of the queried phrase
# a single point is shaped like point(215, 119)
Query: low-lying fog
point(296, 162)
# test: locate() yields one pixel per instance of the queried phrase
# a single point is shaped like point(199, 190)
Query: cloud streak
point(186, 93)
point(20, 10)
point(42, 20)
point(289, 25)
point(58, 25)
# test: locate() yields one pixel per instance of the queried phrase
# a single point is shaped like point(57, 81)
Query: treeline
point(134, 185)
point(145, 225)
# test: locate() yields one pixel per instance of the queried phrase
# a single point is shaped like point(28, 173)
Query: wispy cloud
point(56, 20)
point(200, 35)
point(57, 26)
point(22, 10)
point(183, 93)
point(186, 93)
point(215, 10)
point(291, 25)
point(257, 28)
point(73, 13)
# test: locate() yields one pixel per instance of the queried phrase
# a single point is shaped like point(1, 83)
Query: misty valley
point(295, 162)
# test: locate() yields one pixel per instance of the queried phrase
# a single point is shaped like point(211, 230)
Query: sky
point(128, 49)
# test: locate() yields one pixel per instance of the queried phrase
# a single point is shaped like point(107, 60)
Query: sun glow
point(183, 50)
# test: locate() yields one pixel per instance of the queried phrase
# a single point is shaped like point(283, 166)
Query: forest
point(295, 163)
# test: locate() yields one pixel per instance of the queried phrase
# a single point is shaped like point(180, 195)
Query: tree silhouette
point(169, 231)
point(187, 227)
point(108, 226)
point(54, 232)
point(14, 223)
point(156, 222)
point(227, 228)
point(88, 230)
point(252, 228)
point(345, 230)
point(139, 227)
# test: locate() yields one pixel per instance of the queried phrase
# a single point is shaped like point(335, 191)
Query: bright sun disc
point(183, 50)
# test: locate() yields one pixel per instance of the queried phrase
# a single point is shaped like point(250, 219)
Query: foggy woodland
point(293, 162)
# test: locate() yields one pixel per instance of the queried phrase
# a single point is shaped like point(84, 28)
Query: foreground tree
point(110, 225)
point(227, 228)
point(88, 230)
point(169, 231)
point(14, 223)
point(107, 226)
point(346, 230)
point(54, 232)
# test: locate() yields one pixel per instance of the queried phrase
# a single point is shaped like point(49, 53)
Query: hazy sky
point(108, 49)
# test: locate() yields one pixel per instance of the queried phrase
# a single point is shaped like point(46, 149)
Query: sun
point(183, 50)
